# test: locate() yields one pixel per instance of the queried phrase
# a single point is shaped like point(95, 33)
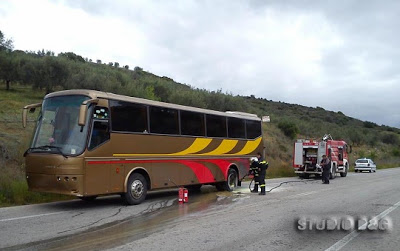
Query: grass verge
point(14, 189)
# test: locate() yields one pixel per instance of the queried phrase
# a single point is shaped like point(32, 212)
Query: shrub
point(290, 129)
point(356, 137)
point(372, 155)
point(390, 138)
point(371, 139)
point(396, 152)
point(279, 168)
point(368, 124)
point(361, 154)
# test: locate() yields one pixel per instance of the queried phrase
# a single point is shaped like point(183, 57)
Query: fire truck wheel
point(344, 174)
point(231, 182)
point(333, 173)
point(136, 189)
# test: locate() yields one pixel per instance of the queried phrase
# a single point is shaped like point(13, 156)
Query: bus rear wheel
point(136, 189)
point(231, 182)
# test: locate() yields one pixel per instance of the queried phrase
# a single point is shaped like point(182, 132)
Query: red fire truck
point(308, 154)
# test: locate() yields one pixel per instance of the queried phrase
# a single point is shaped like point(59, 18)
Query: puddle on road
point(157, 217)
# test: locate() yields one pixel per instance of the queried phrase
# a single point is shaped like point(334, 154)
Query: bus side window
point(100, 134)
point(253, 129)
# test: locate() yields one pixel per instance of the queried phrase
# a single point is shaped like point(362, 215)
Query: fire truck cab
point(308, 155)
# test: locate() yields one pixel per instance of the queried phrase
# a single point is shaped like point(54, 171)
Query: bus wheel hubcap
point(232, 181)
point(137, 189)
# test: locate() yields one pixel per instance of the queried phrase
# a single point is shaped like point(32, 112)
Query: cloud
point(339, 55)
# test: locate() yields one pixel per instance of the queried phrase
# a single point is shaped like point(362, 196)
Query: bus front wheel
point(136, 189)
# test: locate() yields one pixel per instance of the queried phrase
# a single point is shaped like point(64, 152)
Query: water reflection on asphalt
point(158, 216)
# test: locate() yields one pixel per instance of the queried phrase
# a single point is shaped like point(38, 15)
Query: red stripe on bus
point(222, 164)
point(202, 173)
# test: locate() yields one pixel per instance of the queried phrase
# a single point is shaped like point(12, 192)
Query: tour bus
point(88, 143)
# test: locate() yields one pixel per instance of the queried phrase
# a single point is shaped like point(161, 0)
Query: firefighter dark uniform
point(255, 172)
point(263, 165)
point(326, 168)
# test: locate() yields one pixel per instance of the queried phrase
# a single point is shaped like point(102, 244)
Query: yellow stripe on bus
point(226, 146)
point(198, 145)
point(249, 147)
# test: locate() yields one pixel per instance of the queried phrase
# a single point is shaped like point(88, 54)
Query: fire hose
point(280, 184)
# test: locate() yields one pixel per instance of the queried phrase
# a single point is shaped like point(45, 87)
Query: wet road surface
point(214, 220)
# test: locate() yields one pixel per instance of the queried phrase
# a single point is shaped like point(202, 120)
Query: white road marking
point(30, 216)
point(341, 243)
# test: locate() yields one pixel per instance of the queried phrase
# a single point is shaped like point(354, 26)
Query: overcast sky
point(341, 55)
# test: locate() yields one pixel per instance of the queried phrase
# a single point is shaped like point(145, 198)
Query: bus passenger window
point(100, 134)
point(253, 129)
point(216, 126)
point(236, 128)
point(192, 123)
point(163, 120)
point(128, 117)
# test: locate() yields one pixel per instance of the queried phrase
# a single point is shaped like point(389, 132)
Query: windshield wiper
point(44, 148)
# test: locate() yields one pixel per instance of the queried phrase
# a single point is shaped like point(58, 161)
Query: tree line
point(49, 72)
point(46, 71)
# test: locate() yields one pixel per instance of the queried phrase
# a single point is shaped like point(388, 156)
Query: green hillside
point(28, 76)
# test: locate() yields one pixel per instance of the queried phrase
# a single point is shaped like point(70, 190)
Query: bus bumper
point(53, 183)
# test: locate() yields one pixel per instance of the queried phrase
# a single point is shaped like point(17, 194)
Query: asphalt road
point(285, 219)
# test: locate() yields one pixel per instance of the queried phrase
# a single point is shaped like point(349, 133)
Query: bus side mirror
point(31, 109)
point(83, 110)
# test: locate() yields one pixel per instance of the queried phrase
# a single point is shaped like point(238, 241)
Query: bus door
point(98, 176)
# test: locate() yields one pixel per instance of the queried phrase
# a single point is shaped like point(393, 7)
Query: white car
point(364, 165)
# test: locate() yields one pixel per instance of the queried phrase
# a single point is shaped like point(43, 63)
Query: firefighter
point(262, 165)
point(255, 172)
point(326, 166)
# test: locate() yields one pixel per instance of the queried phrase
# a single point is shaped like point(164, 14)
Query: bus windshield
point(57, 129)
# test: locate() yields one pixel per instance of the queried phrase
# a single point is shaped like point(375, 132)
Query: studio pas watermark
point(344, 223)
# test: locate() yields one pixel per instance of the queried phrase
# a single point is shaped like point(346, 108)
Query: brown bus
point(88, 143)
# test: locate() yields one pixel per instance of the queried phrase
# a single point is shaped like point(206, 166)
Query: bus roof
point(108, 95)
